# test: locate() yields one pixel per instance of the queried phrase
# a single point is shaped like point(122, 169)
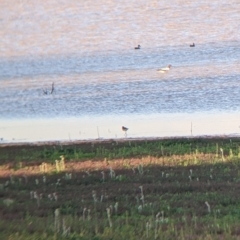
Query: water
point(86, 48)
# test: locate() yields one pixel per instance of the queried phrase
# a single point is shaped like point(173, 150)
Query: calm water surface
point(86, 48)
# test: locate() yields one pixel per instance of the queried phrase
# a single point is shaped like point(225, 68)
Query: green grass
point(121, 149)
point(190, 191)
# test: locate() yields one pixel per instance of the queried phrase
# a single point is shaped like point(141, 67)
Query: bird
point(166, 69)
point(192, 45)
point(125, 130)
point(138, 47)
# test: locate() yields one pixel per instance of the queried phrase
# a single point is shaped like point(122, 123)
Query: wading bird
point(125, 130)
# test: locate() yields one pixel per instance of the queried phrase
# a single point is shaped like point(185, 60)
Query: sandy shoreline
point(110, 127)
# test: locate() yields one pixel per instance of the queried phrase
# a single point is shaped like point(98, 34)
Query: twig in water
point(45, 91)
point(52, 88)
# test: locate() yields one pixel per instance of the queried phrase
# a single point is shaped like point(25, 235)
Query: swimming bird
point(192, 45)
point(166, 69)
point(138, 47)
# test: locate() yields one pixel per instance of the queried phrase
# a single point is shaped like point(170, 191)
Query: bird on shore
point(166, 69)
point(138, 47)
point(192, 45)
point(125, 129)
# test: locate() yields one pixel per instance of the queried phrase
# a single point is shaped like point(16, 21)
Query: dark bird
point(192, 45)
point(125, 130)
point(138, 47)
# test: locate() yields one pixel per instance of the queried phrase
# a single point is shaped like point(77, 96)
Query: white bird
point(163, 70)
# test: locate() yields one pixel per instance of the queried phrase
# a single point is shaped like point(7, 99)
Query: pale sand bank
point(109, 127)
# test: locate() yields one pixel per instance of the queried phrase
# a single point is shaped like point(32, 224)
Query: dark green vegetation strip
point(113, 149)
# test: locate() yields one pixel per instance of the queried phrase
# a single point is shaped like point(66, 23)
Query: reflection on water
point(87, 50)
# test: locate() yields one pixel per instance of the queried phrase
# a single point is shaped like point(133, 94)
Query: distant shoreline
point(110, 141)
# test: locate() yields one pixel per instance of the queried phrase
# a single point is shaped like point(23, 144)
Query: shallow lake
point(101, 82)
